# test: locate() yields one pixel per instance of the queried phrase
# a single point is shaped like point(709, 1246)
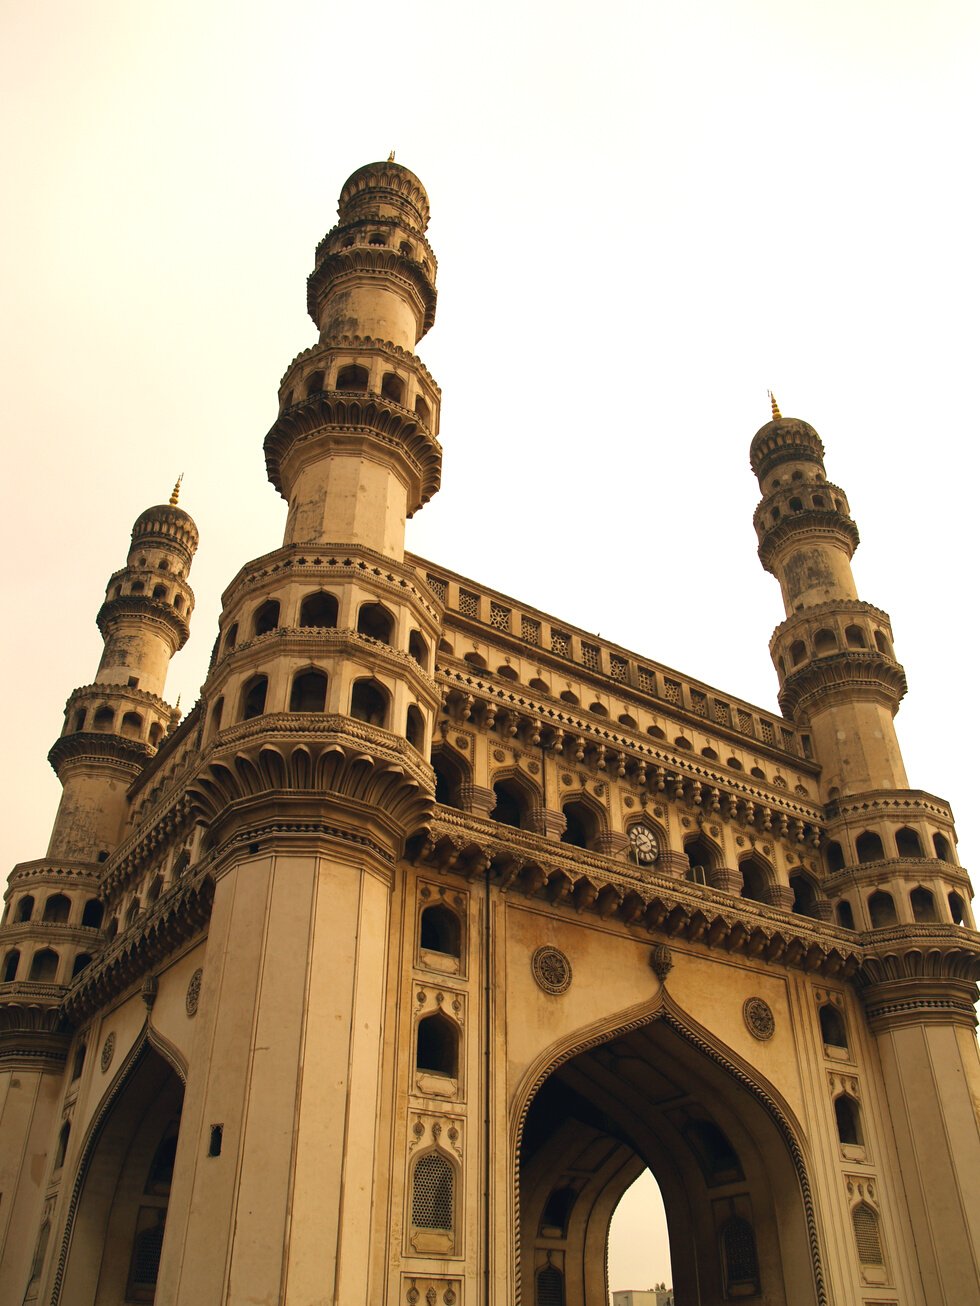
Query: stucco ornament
point(193, 992)
point(108, 1051)
point(661, 962)
point(551, 969)
point(759, 1018)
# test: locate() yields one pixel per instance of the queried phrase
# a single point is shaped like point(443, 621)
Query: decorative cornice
point(82, 875)
point(842, 677)
point(155, 612)
point(381, 261)
point(102, 750)
point(814, 523)
point(811, 616)
point(878, 802)
point(340, 417)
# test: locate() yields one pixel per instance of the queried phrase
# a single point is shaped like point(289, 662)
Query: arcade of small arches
point(123, 722)
point(374, 378)
point(31, 956)
point(830, 639)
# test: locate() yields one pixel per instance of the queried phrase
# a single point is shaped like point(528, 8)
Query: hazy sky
point(644, 214)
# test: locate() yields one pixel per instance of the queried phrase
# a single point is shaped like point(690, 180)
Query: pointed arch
point(585, 820)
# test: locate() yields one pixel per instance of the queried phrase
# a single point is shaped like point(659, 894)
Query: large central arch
point(660, 1092)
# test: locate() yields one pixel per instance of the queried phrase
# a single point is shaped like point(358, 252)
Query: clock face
point(643, 845)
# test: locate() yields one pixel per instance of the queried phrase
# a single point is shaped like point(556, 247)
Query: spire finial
point(175, 493)
point(776, 414)
point(391, 157)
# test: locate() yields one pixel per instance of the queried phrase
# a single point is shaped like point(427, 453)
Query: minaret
point(890, 865)
point(114, 725)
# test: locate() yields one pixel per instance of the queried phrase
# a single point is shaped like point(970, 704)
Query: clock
point(643, 845)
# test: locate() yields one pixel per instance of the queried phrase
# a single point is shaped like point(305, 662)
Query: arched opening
point(834, 855)
point(64, 1134)
point(156, 733)
point(845, 915)
point(159, 591)
point(353, 378)
point(855, 638)
point(869, 847)
point(10, 965)
point(941, 847)
point(79, 721)
point(882, 645)
point(127, 1174)
point(422, 410)
point(881, 909)
point(319, 609)
point(437, 1045)
point(57, 909)
point(451, 775)
point(25, 908)
point(253, 697)
point(832, 1028)
point(475, 660)
point(104, 719)
point(512, 806)
point(908, 842)
point(797, 652)
point(568, 697)
point(824, 642)
point(923, 905)
point(957, 909)
point(581, 825)
point(217, 711)
point(804, 896)
point(415, 728)
point(847, 1113)
point(376, 621)
point(393, 388)
point(313, 384)
point(44, 966)
point(439, 930)
point(78, 1063)
point(369, 703)
point(309, 691)
point(80, 962)
point(653, 1102)
point(702, 858)
point(755, 879)
point(866, 1235)
point(433, 1201)
point(154, 891)
point(132, 725)
point(266, 617)
point(231, 638)
point(418, 649)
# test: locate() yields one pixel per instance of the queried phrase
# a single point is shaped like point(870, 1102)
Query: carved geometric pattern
point(759, 1018)
point(647, 680)
point(561, 643)
point(551, 969)
point(193, 992)
point(530, 630)
point(499, 617)
point(590, 656)
point(618, 668)
point(108, 1051)
point(672, 691)
point(439, 587)
point(468, 603)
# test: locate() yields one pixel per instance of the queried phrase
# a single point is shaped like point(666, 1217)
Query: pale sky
point(645, 214)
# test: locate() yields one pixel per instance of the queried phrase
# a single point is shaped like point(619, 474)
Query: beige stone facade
point(380, 976)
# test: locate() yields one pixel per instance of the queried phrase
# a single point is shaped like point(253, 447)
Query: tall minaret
point(890, 864)
point(838, 678)
point(113, 726)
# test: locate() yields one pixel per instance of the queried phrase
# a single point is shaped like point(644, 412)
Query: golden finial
point(391, 157)
point(175, 494)
point(776, 414)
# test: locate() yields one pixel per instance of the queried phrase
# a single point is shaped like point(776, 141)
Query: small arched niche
point(451, 775)
point(908, 842)
point(57, 909)
point(266, 617)
point(440, 931)
point(832, 1028)
point(353, 377)
point(415, 728)
point(393, 388)
point(847, 1114)
point(804, 896)
point(923, 905)
point(834, 856)
point(855, 637)
point(869, 847)
point(702, 858)
point(845, 914)
point(44, 966)
point(824, 642)
point(92, 914)
point(418, 649)
point(755, 879)
point(437, 1045)
point(253, 697)
point(25, 909)
point(513, 804)
point(582, 825)
point(881, 909)
point(941, 847)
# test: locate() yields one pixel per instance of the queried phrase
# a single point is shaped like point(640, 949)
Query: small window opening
point(79, 964)
point(581, 825)
point(79, 1063)
point(422, 410)
point(25, 908)
point(132, 725)
point(10, 966)
point(369, 703)
point(393, 388)
point(320, 610)
point(266, 617)
point(231, 639)
point(449, 778)
point(79, 720)
point(511, 807)
point(941, 846)
point(797, 652)
point(439, 930)
point(804, 896)
point(415, 728)
point(253, 697)
point(437, 1045)
point(908, 843)
point(309, 692)
point(557, 1209)
point(740, 1258)
point(881, 909)
point(418, 649)
point(824, 642)
point(834, 854)
point(44, 966)
point(869, 847)
point(432, 1193)
point(866, 1235)
point(957, 909)
point(848, 1116)
point(754, 880)
point(215, 1140)
point(845, 915)
point(376, 621)
point(64, 1134)
point(353, 378)
point(923, 905)
point(104, 718)
point(832, 1027)
point(314, 385)
point(854, 636)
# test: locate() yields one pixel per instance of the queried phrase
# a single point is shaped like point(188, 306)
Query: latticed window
point(768, 735)
point(590, 656)
point(530, 630)
point(432, 1193)
point(722, 713)
point(469, 604)
point(672, 690)
point(618, 668)
point(866, 1235)
point(561, 643)
point(146, 1255)
point(699, 702)
point(789, 743)
point(738, 1247)
point(438, 587)
point(647, 680)
point(744, 721)
point(551, 1287)
point(499, 616)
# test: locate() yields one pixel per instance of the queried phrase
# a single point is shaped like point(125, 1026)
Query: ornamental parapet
point(891, 803)
point(45, 871)
point(843, 677)
point(816, 523)
point(344, 420)
point(517, 861)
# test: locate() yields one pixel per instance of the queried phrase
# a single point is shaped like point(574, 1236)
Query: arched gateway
point(659, 1092)
point(460, 916)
